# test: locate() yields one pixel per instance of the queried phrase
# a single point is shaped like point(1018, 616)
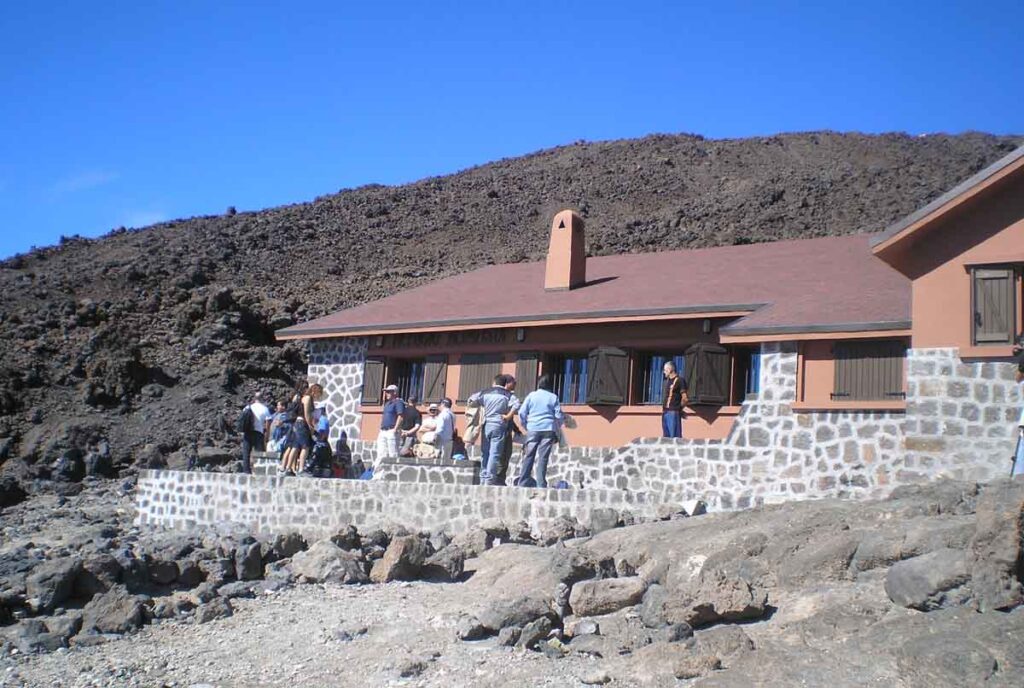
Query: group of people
point(404, 431)
point(494, 415)
point(299, 430)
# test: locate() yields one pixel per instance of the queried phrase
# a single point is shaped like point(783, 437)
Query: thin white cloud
point(142, 218)
point(83, 181)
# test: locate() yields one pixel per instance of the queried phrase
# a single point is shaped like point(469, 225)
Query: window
point(707, 374)
point(649, 377)
point(526, 374)
point(994, 303)
point(607, 380)
point(408, 375)
point(476, 373)
point(746, 373)
point(373, 381)
point(435, 374)
point(568, 377)
point(869, 370)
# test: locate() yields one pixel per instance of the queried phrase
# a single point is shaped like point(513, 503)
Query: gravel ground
point(298, 637)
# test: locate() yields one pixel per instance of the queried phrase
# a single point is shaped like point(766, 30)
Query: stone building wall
point(319, 508)
point(961, 416)
point(959, 423)
point(337, 364)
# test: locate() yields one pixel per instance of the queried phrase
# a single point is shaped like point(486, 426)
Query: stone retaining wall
point(319, 508)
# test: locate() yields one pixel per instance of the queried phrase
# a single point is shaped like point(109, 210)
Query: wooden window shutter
point(868, 370)
point(476, 373)
point(995, 305)
point(435, 372)
point(707, 374)
point(373, 381)
point(608, 377)
point(526, 373)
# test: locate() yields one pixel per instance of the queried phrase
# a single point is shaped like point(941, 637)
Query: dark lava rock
point(115, 611)
point(52, 582)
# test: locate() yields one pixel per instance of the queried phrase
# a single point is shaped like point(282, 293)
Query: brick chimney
point(566, 266)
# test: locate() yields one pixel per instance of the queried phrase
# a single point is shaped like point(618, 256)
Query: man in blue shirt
point(387, 441)
point(541, 416)
point(498, 405)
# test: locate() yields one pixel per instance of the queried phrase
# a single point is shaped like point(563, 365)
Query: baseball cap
point(391, 388)
point(432, 407)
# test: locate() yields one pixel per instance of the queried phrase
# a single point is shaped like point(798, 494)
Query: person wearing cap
point(387, 440)
point(499, 406)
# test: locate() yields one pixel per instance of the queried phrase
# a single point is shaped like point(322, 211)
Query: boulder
point(249, 562)
point(11, 491)
point(217, 608)
point(348, 538)
point(724, 642)
point(695, 665)
point(596, 597)
point(66, 625)
point(99, 573)
point(52, 582)
point(470, 628)
point(115, 611)
point(534, 632)
point(995, 553)
point(522, 582)
point(716, 596)
point(402, 560)
point(325, 562)
point(189, 573)
point(930, 581)
point(509, 636)
point(561, 528)
point(947, 659)
point(162, 571)
point(230, 591)
point(31, 636)
point(446, 565)
point(218, 570)
point(473, 542)
point(288, 545)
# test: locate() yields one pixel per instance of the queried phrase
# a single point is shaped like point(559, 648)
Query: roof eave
point(878, 326)
point(710, 310)
point(927, 214)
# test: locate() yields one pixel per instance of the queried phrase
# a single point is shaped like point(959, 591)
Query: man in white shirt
point(445, 428)
point(254, 431)
point(261, 419)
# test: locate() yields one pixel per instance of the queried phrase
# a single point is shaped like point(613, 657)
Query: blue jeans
point(671, 423)
point(538, 447)
point(491, 444)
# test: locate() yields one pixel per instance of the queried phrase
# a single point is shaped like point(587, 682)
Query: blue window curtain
point(653, 375)
point(572, 380)
point(754, 373)
point(410, 380)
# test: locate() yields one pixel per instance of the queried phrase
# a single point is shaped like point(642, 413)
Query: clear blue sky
point(126, 113)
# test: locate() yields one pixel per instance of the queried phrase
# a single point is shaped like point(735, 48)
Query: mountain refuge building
point(816, 367)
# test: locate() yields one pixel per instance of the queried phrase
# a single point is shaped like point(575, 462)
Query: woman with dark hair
point(301, 441)
point(541, 417)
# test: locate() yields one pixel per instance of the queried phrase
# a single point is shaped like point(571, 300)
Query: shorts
point(300, 438)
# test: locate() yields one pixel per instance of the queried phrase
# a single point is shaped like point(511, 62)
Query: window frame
point(554, 367)
point(1016, 298)
point(840, 396)
point(642, 367)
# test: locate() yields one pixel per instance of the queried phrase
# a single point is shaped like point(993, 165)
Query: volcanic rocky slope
point(135, 348)
point(921, 589)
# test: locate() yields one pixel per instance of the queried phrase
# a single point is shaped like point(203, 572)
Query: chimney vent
point(566, 266)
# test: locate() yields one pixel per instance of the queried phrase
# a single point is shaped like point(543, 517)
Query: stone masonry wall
point(337, 364)
point(961, 417)
point(319, 508)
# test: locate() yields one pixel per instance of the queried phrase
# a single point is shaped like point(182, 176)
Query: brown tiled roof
point(828, 284)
